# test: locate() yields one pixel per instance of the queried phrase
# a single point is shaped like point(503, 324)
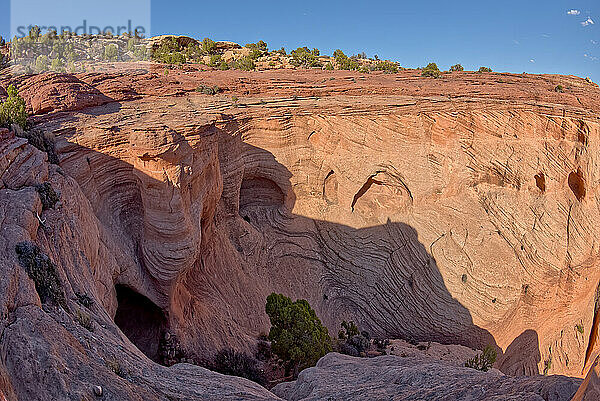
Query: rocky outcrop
point(62, 353)
point(590, 388)
point(341, 377)
point(58, 92)
point(460, 210)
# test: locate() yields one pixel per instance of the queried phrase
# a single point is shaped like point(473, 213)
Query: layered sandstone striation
point(48, 352)
point(341, 377)
point(460, 210)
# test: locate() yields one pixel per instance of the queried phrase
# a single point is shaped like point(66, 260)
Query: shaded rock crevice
point(140, 320)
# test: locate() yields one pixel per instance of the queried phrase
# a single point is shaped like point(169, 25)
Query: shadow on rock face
point(522, 356)
point(236, 199)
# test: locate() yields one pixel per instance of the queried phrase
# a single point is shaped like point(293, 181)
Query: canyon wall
point(459, 210)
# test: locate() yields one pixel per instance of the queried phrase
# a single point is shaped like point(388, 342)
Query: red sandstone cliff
point(459, 210)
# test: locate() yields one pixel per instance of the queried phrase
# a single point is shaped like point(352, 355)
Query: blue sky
point(513, 36)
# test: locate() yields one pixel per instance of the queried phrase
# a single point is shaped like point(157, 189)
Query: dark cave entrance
point(259, 191)
point(259, 194)
point(140, 320)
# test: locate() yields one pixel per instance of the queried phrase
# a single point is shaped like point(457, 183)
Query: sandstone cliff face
point(459, 210)
point(49, 352)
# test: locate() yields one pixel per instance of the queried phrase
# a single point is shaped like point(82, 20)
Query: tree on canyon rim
point(297, 335)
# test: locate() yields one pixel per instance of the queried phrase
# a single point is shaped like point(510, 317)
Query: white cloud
point(587, 22)
point(593, 42)
point(573, 12)
point(532, 61)
point(589, 56)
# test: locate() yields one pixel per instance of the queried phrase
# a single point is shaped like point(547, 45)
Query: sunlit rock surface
point(461, 210)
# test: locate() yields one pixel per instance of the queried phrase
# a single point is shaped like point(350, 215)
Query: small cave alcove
point(140, 320)
point(540, 181)
point(577, 184)
point(261, 192)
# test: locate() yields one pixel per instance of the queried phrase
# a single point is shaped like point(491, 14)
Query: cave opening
point(140, 320)
point(261, 192)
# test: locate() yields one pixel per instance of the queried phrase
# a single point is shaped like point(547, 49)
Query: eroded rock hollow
point(431, 210)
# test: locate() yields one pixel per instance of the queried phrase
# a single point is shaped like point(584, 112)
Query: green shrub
point(193, 52)
point(208, 46)
point(579, 327)
point(355, 346)
point(169, 52)
point(305, 58)
point(41, 63)
point(174, 58)
point(71, 67)
point(547, 365)
point(84, 319)
point(329, 67)
point(245, 64)
point(559, 88)
point(484, 69)
point(111, 52)
point(351, 341)
point(115, 366)
point(131, 43)
point(57, 65)
point(344, 62)
point(386, 66)
point(233, 363)
point(431, 70)
point(254, 54)
point(348, 330)
point(257, 49)
point(34, 32)
point(12, 110)
point(483, 361)
point(297, 335)
point(140, 53)
point(48, 195)
point(456, 67)
point(42, 141)
point(208, 90)
point(262, 46)
point(69, 55)
point(42, 271)
point(216, 61)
